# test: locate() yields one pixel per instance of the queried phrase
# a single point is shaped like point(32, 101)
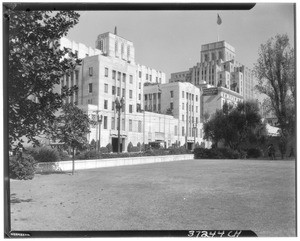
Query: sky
point(170, 41)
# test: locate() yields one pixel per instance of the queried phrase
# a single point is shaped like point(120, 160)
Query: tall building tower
point(115, 46)
point(218, 68)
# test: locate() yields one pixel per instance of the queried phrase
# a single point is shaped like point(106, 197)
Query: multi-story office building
point(218, 68)
point(181, 100)
point(110, 72)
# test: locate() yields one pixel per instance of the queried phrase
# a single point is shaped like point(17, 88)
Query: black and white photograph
point(158, 119)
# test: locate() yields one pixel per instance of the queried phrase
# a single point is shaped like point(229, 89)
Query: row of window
point(138, 106)
point(191, 119)
point(149, 77)
point(115, 123)
point(190, 107)
point(189, 96)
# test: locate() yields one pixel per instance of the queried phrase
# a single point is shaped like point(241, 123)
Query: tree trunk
point(73, 161)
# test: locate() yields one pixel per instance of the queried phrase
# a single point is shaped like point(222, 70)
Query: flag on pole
point(219, 20)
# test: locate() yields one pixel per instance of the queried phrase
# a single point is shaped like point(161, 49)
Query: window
point(113, 90)
point(122, 48)
point(113, 123)
point(112, 105)
point(171, 105)
point(196, 120)
point(140, 74)
point(106, 72)
point(145, 107)
point(145, 96)
point(128, 51)
point(119, 76)
point(182, 117)
point(182, 94)
point(196, 97)
point(130, 79)
point(146, 76)
point(90, 88)
point(182, 131)
point(150, 76)
point(123, 92)
point(116, 46)
point(113, 74)
point(140, 96)
point(91, 71)
point(172, 93)
point(187, 96)
point(182, 106)
point(154, 107)
point(118, 91)
point(130, 94)
point(130, 108)
point(130, 125)
point(159, 80)
point(105, 122)
point(140, 85)
point(175, 130)
point(158, 107)
point(123, 124)
point(140, 126)
point(156, 79)
point(76, 76)
point(196, 109)
point(105, 88)
point(105, 104)
point(124, 78)
point(158, 95)
point(192, 97)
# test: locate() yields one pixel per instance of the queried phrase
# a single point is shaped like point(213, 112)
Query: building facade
point(110, 72)
point(181, 100)
point(219, 68)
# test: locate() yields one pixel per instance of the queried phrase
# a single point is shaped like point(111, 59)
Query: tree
point(36, 66)
point(275, 70)
point(73, 126)
point(236, 127)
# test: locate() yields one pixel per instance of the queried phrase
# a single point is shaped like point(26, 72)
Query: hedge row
point(225, 153)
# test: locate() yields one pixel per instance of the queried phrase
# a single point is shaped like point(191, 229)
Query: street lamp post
point(119, 105)
point(99, 119)
point(195, 135)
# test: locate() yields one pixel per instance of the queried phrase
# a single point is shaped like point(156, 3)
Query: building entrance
point(190, 145)
point(114, 143)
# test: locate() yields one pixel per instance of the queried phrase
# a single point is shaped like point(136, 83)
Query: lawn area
point(195, 194)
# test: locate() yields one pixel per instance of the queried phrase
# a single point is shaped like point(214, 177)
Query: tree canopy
point(36, 66)
point(275, 71)
point(236, 127)
point(73, 125)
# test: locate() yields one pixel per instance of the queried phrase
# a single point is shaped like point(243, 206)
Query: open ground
point(257, 195)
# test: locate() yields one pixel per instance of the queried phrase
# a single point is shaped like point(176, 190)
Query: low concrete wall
point(65, 166)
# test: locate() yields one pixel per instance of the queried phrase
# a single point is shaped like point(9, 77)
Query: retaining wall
point(65, 166)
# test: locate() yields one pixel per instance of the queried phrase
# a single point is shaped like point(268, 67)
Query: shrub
point(215, 153)
point(104, 150)
point(109, 147)
point(253, 153)
point(129, 147)
point(22, 167)
point(44, 154)
point(93, 154)
point(135, 149)
point(178, 151)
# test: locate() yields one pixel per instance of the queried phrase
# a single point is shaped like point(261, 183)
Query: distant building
point(181, 100)
point(218, 68)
